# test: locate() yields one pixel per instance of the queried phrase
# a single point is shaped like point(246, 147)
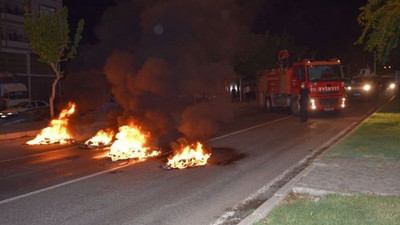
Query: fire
point(102, 138)
point(188, 155)
point(129, 144)
point(57, 131)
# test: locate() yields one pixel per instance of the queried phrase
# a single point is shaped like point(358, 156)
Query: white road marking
point(61, 184)
point(119, 167)
point(33, 155)
point(249, 128)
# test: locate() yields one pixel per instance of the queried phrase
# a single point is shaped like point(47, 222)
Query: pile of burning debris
point(129, 143)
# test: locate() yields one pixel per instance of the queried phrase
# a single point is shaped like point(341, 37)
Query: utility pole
point(375, 63)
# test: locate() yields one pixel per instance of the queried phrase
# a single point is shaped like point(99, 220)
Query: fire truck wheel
point(294, 107)
point(268, 104)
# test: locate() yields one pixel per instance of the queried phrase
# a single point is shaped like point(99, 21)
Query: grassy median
point(377, 137)
point(335, 210)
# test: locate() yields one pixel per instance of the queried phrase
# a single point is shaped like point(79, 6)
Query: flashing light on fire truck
point(313, 106)
point(343, 103)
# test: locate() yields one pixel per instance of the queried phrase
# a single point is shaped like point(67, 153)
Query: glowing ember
point(57, 131)
point(102, 138)
point(188, 155)
point(130, 144)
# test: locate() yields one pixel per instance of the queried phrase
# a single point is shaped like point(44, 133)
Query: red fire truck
point(324, 79)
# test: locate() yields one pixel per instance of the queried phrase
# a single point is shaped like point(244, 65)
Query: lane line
point(122, 166)
point(62, 184)
point(38, 154)
point(249, 128)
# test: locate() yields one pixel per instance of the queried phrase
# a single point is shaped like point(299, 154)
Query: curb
point(263, 210)
point(16, 135)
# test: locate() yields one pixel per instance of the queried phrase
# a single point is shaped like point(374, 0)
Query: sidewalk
point(22, 129)
point(366, 164)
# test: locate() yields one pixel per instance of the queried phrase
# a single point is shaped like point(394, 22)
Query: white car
point(22, 107)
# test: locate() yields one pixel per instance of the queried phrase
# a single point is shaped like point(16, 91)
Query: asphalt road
point(66, 185)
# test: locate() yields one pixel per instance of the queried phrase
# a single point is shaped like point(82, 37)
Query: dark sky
point(327, 27)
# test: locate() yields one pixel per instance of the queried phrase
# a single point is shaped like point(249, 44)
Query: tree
point(380, 20)
point(49, 39)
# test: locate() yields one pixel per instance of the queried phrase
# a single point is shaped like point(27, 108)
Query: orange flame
point(57, 131)
point(188, 155)
point(130, 144)
point(102, 138)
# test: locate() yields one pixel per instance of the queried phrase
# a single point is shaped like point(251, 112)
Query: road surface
point(72, 185)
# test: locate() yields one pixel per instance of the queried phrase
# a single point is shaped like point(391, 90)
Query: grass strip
point(335, 210)
point(378, 137)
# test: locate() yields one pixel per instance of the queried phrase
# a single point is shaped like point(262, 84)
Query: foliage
point(49, 36)
point(260, 52)
point(380, 20)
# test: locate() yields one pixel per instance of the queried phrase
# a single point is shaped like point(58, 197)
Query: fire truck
point(324, 80)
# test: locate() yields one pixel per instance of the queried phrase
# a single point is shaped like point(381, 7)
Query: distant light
point(158, 29)
point(390, 67)
point(384, 67)
point(367, 87)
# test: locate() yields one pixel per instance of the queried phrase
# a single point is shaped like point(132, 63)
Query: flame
point(102, 138)
point(57, 131)
point(130, 144)
point(188, 155)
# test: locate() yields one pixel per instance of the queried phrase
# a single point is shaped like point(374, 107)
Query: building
point(16, 56)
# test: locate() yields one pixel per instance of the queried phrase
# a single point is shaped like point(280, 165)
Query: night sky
point(327, 27)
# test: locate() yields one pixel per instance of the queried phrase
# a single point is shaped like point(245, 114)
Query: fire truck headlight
point(392, 85)
point(367, 87)
point(343, 103)
point(313, 106)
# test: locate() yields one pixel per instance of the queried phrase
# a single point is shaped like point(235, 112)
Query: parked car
point(32, 108)
point(364, 87)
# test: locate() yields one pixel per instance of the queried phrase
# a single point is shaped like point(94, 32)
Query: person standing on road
point(303, 102)
point(234, 95)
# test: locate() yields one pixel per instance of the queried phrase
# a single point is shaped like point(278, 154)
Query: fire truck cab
point(324, 79)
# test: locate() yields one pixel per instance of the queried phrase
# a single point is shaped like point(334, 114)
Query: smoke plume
point(166, 62)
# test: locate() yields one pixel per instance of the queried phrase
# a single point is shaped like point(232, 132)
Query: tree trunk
point(53, 94)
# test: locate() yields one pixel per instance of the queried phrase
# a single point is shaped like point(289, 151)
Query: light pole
point(375, 63)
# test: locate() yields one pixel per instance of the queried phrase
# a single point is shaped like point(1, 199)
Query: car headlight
point(9, 113)
point(392, 85)
point(367, 87)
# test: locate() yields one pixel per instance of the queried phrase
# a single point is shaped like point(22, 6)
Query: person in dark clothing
point(234, 95)
point(303, 102)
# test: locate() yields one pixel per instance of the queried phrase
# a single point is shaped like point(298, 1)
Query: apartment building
point(16, 56)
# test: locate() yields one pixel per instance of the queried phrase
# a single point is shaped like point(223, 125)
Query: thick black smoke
point(164, 56)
